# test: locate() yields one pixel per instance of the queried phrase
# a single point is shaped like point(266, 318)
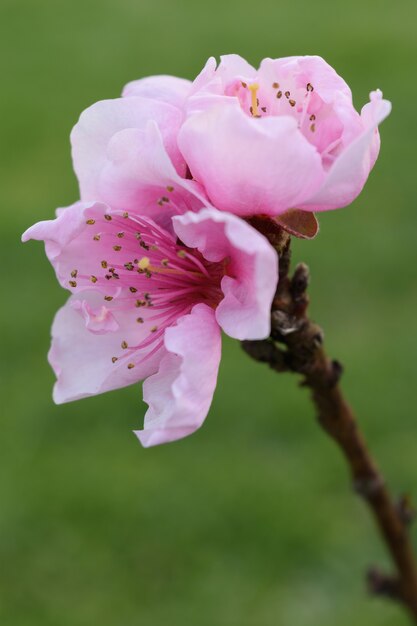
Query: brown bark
point(296, 345)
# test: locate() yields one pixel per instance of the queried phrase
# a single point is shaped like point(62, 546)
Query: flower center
point(145, 267)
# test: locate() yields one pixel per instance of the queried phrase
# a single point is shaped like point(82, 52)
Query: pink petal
point(82, 360)
point(348, 174)
point(168, 89)
point(91, 135)
point(98, 320)
point(306, 69)
point(180, 393)
point(138, 173)
point(232, 67)
point(250, 166)
point(69, 243)
point(252, 269)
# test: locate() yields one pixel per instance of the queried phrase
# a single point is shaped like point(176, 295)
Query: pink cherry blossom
point(149, 302)
point(285, 136)
point(282, 137)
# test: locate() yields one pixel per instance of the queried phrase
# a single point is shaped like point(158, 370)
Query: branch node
point(368, 486)
point(406, 510)
point(380, 584)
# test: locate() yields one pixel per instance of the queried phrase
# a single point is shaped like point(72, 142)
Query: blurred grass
point(249, 522)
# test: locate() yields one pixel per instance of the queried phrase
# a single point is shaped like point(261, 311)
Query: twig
point(296, 345)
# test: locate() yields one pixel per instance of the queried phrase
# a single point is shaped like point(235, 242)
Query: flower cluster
point(158, 254)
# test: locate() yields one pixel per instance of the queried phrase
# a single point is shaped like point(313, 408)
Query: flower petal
point(163, 88)
point(82, 360)
point(180, 393)
point(348, 174)
point(139, 172)
point(300, 70)
point(250, 166)
point(70, 245)
point(252, 270)
point(91, 135)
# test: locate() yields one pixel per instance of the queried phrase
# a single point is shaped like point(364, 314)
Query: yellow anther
point(254, 99)
point(144, 263)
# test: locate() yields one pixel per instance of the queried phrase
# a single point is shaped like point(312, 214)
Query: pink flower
point(247, 141)
point(149, 302)
point(282, 137)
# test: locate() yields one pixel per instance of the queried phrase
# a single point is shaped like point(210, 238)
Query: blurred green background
point(250, 522)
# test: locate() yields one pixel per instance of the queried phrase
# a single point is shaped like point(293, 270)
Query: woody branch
point(296, 345)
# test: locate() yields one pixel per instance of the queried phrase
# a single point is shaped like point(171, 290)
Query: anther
point(132, 289)
point(114, 359)
point(292, 103)
point(244, 85)
point(107, 217)
point(164, 262)
point(170, 188)
point(93, 279)
point(154, 329)
point(74, 273)
point(108, 298)
point(263, 109)
point(130, 366)
point(120, 235)
point(279, 94)
point(312, 117)
point(128, 266)
point(182, 254)
point(275, 85)
point(124, 345)
point(96, 237)
point(310, 87)
point(125, 214)
point(117, 248)
point(73, 283)
point(90, 222)
point(313, 128)
point(165, 199)
point(104, 264)
point(139, 320)
point(287, 94)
